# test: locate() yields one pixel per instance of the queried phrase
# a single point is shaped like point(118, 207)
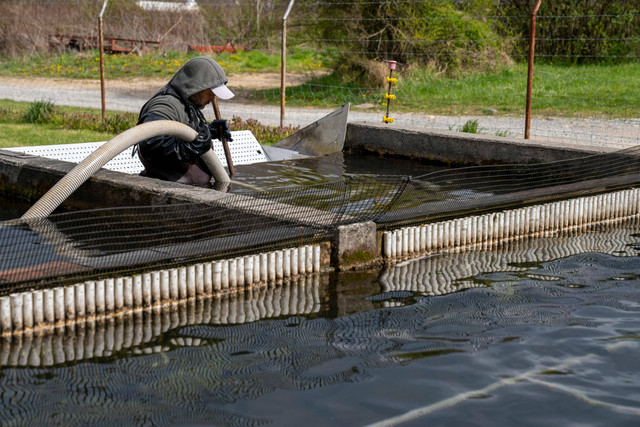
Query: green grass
point(43, 123)
point(86, 65)
point(605, 91)
point(20, 135)
point(471, 126)
point(579, 90)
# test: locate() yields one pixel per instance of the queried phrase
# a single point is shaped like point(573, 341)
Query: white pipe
point(248, 270)
point(79, 174)
point(199, 280)
point(38, 308)
point(208, 278)
point(70, 302)
point(182, 283)
point(240, 272)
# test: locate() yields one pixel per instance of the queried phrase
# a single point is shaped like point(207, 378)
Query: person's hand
point(220, 129)
point(204, 136)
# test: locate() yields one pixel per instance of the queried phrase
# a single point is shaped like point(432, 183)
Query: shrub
point(471, 126)
point(430, 31)
point(39, 112)
point(266, 135)
point(576, 31)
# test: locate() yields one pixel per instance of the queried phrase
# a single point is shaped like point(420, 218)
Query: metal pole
point(392, 66)
point(532, 44)
point(283, 62)
point(102, 90)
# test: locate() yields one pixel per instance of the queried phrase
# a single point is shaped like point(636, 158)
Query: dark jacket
point(167, 157)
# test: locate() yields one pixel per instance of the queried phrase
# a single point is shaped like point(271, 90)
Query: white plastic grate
point(244, 149)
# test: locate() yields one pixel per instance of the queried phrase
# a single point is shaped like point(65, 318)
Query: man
point(191, 89)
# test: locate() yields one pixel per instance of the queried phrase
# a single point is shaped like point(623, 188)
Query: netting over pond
point(68, 247)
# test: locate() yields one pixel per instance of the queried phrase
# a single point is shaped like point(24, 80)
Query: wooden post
point(223, 139)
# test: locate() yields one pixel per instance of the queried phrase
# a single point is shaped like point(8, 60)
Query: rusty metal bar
point(102, 86)
point(283, 62)
point(532, 44)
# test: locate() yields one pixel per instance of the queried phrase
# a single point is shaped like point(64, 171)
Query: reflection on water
point(538, 332)
point(288, 174)
point(321, 170)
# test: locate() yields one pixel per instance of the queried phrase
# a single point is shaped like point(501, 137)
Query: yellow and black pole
point(388, 96)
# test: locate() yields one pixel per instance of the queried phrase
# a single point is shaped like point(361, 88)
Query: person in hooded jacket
point(191, 89)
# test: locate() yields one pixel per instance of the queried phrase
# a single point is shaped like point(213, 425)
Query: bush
point(426, 32)
point(576, 31)
point(39, 112)
point(266, 135)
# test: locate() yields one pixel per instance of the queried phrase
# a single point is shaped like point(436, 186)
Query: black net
point(68, 247)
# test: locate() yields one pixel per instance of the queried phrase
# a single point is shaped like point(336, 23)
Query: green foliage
point(576, 31)
point(471, 126)
point(450, 38)
point(267, 135)
point(39, 112)
point(430, 31)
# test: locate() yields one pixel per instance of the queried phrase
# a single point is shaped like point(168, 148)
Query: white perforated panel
point(244, 149)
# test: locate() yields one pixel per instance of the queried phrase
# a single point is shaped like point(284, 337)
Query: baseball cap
point(222, 92)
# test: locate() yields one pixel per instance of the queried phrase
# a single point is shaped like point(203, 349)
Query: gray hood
point(198, 74)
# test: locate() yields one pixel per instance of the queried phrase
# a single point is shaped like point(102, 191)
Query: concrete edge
point(458, 148)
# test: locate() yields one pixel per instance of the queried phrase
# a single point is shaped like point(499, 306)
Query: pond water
point(289, 174)
point(538, 332)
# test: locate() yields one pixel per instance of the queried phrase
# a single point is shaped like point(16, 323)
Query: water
point(536, 333)
point(319, 170)
point(287, 174)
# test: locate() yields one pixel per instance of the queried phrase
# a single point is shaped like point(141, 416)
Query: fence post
point(283, 62)
point(101, 41)
point(532, 44)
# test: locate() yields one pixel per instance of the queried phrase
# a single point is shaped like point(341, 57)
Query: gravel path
point(131, 95)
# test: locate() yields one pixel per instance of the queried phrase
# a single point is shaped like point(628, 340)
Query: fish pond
point(536, 332)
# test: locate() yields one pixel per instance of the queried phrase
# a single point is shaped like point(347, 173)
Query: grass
point(600, 90)
point(43, 123)
point(471, 126)
point(607, 91)
point(86, 65)
point(604, 91)
point(21, 135)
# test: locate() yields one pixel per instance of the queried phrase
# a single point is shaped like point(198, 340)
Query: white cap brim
point(222, 92)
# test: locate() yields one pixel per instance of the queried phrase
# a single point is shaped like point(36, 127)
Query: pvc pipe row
point(446, 273)
point(107, 336)
point(46, 308)
point(494, 227)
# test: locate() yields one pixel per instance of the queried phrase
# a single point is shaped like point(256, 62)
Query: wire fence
point(461, 66)
point(65, 247)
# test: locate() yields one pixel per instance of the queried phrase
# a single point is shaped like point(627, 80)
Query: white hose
point(79, 174)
